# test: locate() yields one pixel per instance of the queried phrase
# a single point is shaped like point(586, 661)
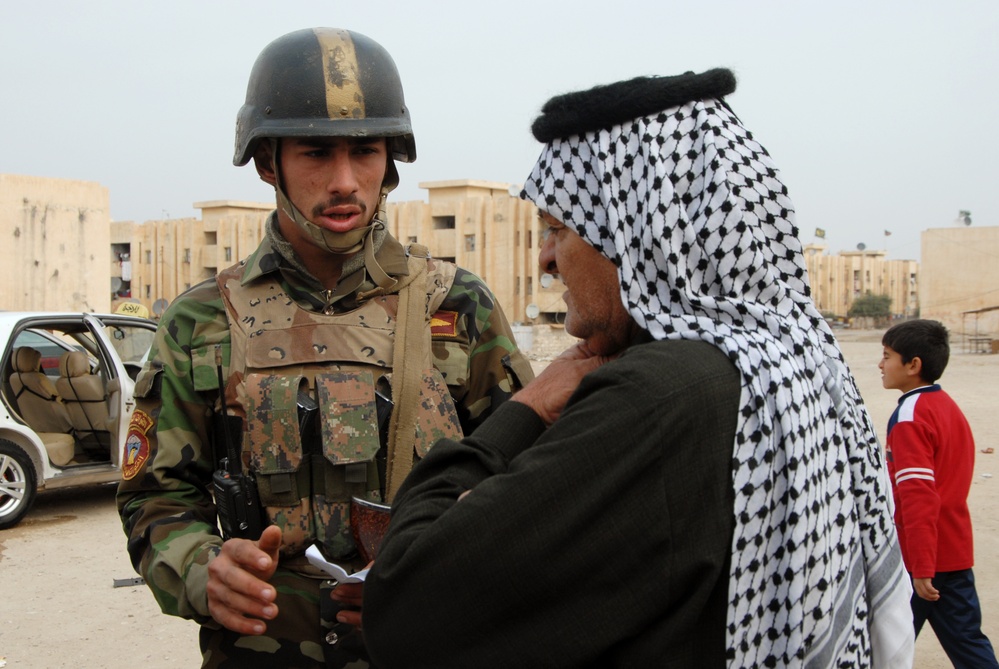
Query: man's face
point(594, 311)
point(334, 181)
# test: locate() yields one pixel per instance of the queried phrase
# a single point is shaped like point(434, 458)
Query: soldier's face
point(334, 181)
point(594, 311)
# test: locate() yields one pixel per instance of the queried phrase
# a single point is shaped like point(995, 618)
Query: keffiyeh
point(691, 210)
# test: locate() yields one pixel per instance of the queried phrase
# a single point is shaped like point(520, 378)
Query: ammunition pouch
point(310, 455)
point(307, 470)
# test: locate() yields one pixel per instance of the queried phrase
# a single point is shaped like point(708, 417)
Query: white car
point(67, 388)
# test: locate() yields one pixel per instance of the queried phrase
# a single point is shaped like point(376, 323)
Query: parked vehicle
point(67, 392)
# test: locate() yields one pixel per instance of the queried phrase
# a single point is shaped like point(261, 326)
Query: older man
point(714, 493)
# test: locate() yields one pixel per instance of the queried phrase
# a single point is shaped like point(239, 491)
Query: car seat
point(40, 405)
point(83, 394)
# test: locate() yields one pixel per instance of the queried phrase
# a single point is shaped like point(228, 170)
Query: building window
point(187, 256)
point(149, 291)
point(228, 254)
point(413, 240)
point(443, 222)
point(149, 257)
point(469, 242)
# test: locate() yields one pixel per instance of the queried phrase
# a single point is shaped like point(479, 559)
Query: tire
point(18, 484)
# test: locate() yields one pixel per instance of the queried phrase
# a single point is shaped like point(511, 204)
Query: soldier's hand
point(352, 595)
point(550, 390)
point(239, 596)
point(924, 588)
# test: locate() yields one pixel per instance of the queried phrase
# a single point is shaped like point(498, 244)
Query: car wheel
point(17, 484)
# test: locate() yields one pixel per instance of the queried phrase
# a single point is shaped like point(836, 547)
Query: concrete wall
point(56, 236)
point(960, 269)
point(547, 342)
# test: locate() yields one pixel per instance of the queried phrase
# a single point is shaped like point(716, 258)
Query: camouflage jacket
point(165, 499)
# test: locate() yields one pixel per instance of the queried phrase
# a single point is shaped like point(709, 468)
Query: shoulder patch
point(444, 324)
point(136, 445)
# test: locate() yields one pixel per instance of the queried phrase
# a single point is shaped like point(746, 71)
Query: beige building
point(478, 224)
point(158, 260)
point(960, 268)
point(837, 280)
point(58, 234)
point(482, 227)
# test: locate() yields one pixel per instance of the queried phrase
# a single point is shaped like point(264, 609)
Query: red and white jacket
point(931, 458)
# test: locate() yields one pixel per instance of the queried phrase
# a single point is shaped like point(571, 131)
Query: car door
point(124, 343)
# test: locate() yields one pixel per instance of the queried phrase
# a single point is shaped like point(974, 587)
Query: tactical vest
point(279, 350)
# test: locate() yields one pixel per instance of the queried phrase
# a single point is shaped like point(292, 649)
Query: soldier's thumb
point(270, 541)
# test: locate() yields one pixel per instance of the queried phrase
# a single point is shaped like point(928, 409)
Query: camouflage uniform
point(164, 499)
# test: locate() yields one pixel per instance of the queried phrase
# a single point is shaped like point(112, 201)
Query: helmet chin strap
point(340, 243)
point(343, 243)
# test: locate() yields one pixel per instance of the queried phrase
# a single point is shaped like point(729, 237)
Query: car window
point(131, 342)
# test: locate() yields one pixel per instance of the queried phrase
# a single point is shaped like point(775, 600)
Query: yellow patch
point(344, 97)
point(444, 324)
point(136, 445)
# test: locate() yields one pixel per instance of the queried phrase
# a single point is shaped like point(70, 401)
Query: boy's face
point(896, 375)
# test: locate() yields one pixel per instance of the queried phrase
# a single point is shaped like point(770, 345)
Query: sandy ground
point(57, 568)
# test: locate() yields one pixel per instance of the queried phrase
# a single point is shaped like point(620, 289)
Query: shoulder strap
point(410, 345)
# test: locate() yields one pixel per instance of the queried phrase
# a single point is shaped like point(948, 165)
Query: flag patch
point(444, 324)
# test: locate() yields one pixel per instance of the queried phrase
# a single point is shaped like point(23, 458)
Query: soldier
point(291, 358)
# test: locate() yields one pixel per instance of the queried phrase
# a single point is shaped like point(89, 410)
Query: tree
point(875, 307)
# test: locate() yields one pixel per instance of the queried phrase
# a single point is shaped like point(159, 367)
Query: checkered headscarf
point(691, 210)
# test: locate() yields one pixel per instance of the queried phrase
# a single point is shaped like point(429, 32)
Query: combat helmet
point(324, 82)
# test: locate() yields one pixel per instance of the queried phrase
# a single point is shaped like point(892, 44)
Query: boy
point(931, 456)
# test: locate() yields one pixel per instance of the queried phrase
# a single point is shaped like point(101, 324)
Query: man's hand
point(352, 595)
point(548, 393)
point(239, 597)
point(924, 588)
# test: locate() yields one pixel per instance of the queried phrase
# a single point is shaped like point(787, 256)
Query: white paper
point(336, 571)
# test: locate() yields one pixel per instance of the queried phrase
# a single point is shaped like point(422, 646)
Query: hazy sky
point(879, 114)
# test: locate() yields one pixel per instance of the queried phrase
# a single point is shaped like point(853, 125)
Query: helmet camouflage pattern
point(324, 82)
